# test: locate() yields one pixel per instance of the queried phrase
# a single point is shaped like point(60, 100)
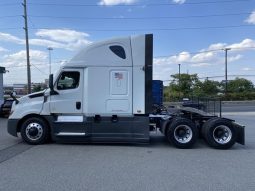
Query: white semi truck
point(104, 94)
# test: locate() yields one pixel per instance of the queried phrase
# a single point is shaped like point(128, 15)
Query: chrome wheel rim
point(183, 134)
point(34, 131)
point(222, 134)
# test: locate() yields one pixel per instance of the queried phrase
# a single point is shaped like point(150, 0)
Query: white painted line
point(248, 113)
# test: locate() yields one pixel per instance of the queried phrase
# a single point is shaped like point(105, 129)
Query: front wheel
point(182, 133)
point(35, 131)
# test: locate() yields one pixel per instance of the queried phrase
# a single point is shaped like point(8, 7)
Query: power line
point(139, 18)
point(201, 52)
point(10, 28)
point(138, 5)
point(10, 16)
point(198, 52)
point(245, 75)
point(233, 75)
point(20, 66)
point(8, 4)
point(148, 29)
point(39, 69)
point(160, 29)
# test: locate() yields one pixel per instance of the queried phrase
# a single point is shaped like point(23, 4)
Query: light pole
point(49, 49)
point(179, 81)
point(226, 69)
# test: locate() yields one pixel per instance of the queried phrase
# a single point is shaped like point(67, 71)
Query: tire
point(203, 129)
point(35, 131)
point(182, 133)
point(219, 133)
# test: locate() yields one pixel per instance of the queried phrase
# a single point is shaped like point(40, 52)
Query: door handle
point(78, 105)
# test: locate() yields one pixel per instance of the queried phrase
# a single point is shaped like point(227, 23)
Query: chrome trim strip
point(70, 134)
point(63, 118)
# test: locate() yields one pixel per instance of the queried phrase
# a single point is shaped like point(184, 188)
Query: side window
point(68, 80)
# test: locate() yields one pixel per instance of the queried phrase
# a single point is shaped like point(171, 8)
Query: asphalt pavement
point(156, 166)
point(238, 107)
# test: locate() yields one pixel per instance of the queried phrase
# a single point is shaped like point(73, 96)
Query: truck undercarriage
point(182, 126)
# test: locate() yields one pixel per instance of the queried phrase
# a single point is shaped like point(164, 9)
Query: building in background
point(2, 71)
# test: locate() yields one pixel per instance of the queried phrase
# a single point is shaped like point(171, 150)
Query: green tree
point(37, 88)
point(240, 85)
point(207, 88)
point(186, 86)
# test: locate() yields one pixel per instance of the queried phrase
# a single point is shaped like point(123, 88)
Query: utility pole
point(226, 69)
point(179, 81)
point(27, 48)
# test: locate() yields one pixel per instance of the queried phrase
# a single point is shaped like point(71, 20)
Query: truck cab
point(102, 94)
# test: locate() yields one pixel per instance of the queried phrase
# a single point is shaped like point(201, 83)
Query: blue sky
point(191, 33)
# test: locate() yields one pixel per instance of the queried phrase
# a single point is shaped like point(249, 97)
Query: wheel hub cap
point(222, 134)
point(34, 131)
point(183, 133)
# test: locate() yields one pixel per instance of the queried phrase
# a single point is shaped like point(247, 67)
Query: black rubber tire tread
point(208, 133)
point(182, 121)
point(203, 129)
point(45, 135)
point(167, 125)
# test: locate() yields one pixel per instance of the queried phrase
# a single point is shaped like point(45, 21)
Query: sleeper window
point(68, 80)
point(119, 51)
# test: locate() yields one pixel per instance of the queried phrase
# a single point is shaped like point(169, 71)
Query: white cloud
point(209, 57)
point(19, 58)
point(10, 38)
point(247, 69)
point(179, 1)
point(62, 35)
point(203, 57)
point(116, 2)
point(46, 43)
point(200, 64)
point(234, 58)
point(251, 18)
point(16, 65)
point(3, 49)
point(55, 38)
point(246, 43)
point(183, 57)
point(62, 38)
point(217, 46)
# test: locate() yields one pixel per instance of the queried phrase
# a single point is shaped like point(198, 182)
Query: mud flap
point(240, 133)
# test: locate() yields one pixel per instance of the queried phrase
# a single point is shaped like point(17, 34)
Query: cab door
point(69, 87)
point(67, 108)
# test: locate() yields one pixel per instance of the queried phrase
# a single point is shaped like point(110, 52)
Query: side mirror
point(51, 86)
point(13, 96)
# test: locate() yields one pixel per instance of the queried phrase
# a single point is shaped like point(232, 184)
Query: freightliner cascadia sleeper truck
point(104, 94)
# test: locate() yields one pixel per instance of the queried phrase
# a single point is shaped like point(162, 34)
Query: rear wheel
point(182, 133)
point(35, 131)
point(219, 133)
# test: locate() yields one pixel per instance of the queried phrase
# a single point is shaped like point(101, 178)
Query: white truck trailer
point(104, 94)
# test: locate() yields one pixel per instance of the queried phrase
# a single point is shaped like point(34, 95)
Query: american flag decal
point(118, 76)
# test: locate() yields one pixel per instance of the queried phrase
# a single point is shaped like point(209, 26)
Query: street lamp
point(226, 69)
point(49, 49)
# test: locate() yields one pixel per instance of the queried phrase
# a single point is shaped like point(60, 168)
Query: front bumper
point(12, 127)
